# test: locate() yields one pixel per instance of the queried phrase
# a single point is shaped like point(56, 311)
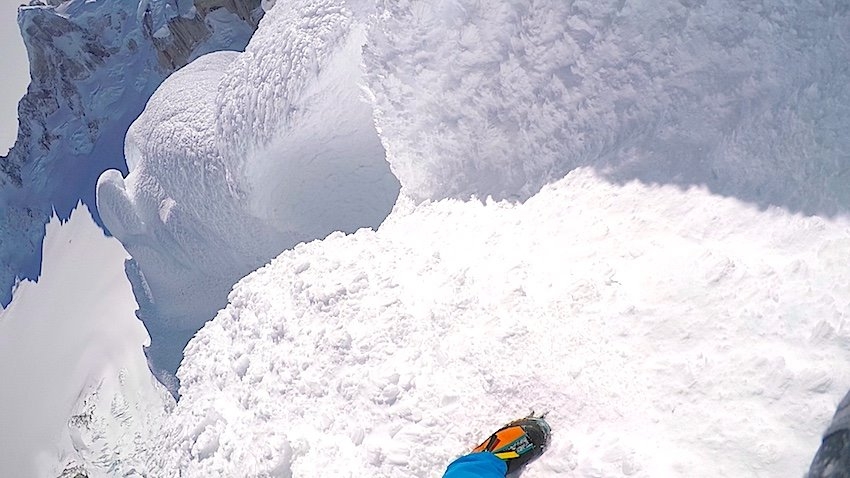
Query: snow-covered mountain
point(93, 66)
point(77, 393)
point(662, 267)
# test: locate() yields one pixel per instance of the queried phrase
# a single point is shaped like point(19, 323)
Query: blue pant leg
point(477, 465)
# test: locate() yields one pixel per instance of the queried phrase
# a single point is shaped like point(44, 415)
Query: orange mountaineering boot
point(518, 442)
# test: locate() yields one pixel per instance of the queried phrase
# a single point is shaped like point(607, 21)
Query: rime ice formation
point(499, 98)
point(93, 65)
point(240, 156)
point(668, 332)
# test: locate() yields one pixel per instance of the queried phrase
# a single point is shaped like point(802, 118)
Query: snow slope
point(669, 332)
point(73, 337)
point(240, 156)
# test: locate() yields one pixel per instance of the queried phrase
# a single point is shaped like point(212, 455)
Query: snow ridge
point(649, 321)
point(69, 337)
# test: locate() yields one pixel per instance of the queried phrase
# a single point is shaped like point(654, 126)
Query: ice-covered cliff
point(93, 66)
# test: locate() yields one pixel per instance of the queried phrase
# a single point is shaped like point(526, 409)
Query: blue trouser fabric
point(477, 465)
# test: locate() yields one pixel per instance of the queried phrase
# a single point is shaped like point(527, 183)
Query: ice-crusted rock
point(93, 65)
point(190, 33)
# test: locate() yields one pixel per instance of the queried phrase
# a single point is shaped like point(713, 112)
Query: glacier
point(630, 214)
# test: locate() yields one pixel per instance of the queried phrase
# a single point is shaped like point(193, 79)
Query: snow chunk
point(163, 32)
point(268, 5)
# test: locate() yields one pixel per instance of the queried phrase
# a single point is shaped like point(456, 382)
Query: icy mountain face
point(93, 65)
point(499, 98)
point(668, 332)
point(240, 156)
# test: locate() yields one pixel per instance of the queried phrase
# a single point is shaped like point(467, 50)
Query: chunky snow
point(240, 156)
point(670, 285)
point(72, 333)
point(668, 333)
point(501, 97)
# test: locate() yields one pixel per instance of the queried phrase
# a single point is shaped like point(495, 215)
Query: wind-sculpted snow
point(668, 333)
point(238, 157)
point(268, 92)
point(500, 98)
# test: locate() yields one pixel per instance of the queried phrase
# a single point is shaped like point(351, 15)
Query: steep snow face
point(71, 338)
point(668, 332)
point(93, 66)
point(499, 98)
point(238, 157)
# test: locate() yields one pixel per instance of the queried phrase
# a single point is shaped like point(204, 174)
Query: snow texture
point(240, 156)
point(669, 330)
point(664, 331)
point(494, 97)
point(73, 332)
